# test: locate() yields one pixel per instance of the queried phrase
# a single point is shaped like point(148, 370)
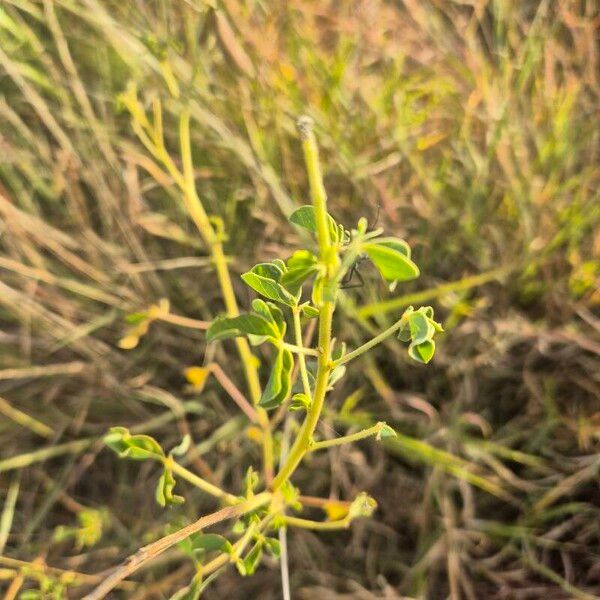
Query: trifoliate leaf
point(336, 374)
point(395, 244)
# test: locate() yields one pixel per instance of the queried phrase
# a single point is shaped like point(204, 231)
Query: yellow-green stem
point(330, 259)
point(301, 358)
point(202, 484)
point(304, 439)
point(346, 439)
point(198, 214)
point(372, 342)
point(318, 525)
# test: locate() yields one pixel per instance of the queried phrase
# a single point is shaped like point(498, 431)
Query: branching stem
point(347, 439)
point(371, 343)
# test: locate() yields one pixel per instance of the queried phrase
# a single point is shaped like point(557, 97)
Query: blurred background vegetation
point(470, 128)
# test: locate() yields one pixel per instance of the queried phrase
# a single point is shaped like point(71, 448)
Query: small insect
point(353, 271)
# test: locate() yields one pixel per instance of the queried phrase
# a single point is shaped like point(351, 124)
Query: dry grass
point(472, 125)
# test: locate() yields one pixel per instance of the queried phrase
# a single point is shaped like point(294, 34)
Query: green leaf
point(395, 244)
point(362, 506)
point(210, 542)
point(293, 279)
point(229, 327)
point(300, 401)
point(135, 447)
point(421, 328)
point(271, 312)
point(336, 374)
point(393, 264)
point(291, 495)
point(164, 490)
point(264, 279)
point(422, 352)
point(338, 351)
point(280, 381)
point(305, 217)
point(386, 431)
point(302, 258)
point(273, 547)
point(252, 559)
point(135, 318)
point(310, 312)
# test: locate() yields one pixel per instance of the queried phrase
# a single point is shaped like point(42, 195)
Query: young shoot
point(289, 294)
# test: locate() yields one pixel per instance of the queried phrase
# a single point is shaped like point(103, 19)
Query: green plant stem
point(318, 525)
point(300, 350)
point(150, 552)
point(202, 484)
point(301, 358)
point(238, 547)
point(212, 240)
point(315, 180)
point(378, 308)
point(371, 343)
point(346, 439)
point(329, 258)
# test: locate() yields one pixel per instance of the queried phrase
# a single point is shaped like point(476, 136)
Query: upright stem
point(330, 259)
point(315, 179)
point(301, 358)
point(212, 240)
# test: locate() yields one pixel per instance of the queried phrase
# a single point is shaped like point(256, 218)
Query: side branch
point(148, 553)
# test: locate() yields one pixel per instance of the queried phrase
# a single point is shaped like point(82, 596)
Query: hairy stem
point(198, 214)
point(330, 259)
point(301, 358)
point(346, 439)
point(371, 343)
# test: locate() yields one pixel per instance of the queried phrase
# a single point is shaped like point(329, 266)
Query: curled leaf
point(280, 381)
point(136, 447)
point(164, 490)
